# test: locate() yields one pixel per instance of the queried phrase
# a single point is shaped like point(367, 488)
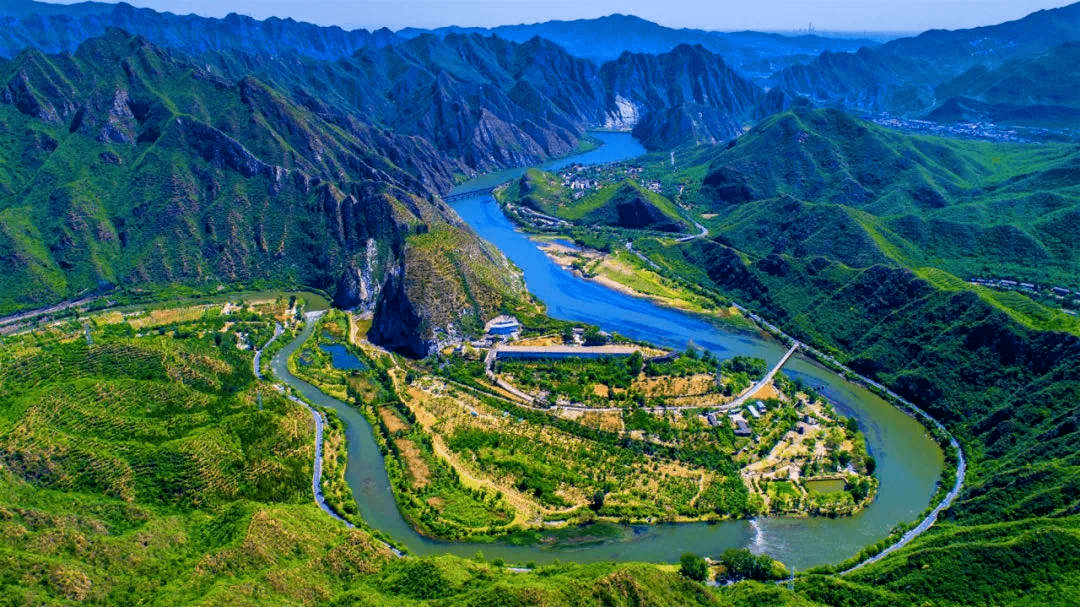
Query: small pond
point(342, 359)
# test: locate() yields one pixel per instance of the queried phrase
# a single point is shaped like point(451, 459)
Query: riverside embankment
point(909, 460)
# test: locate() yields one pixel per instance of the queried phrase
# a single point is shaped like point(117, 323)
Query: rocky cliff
point(137, 167)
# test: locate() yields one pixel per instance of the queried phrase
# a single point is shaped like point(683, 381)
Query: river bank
point(619, 271)
point(595, 266)
point(909, 460)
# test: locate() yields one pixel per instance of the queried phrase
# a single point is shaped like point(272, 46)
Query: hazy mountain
point(755, 54)
point(685, 94)
point(485, 100)
point(903, 75)
point(53, 28)
point(492, 103)
point(1031, 91)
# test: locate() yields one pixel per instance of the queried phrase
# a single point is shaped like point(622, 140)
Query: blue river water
point(909, 462)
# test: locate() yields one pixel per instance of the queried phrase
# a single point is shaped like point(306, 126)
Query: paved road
point(6, 320)
point(926, 523)
point(316, 474)
point(278, 330)
point(17, 322)
point(489, 360)
point(702, 234)
point(961, 468)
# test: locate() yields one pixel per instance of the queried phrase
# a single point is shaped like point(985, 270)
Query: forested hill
point(971, 208)
point(859, 240)
point(128, 164)
point(902, 76)
point(194, 151)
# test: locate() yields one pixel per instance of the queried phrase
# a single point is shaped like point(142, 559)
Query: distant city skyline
point(764, 15)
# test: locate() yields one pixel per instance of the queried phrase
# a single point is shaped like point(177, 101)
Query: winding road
point(926, 523)
point(316, 474)
point(529, 402)
point(922, 526)
point(914, 411)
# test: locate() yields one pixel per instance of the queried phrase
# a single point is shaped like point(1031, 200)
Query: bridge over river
point(469, 193)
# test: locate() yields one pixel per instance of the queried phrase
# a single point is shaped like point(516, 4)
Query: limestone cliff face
point(446, 286)
point(200, 180)
point(239, 166)
point(688, 94)
point(397, 325)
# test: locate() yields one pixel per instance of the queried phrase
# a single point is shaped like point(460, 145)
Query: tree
point(743, 564)
point(693, 567)
point(597, 500)
point(636, 362)
point(593, 337)
point(870, 463)
point(852, 424)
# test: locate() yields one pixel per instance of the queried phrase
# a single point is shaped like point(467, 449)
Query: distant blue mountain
point(755, 54)
point(53, 28)
point(910, 76)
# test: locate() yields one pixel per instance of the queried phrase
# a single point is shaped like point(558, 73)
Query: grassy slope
point(601, 206)
point(809, 183)
point(131, 165)
point(828, 257)
point(544, 192)
point(143, 469)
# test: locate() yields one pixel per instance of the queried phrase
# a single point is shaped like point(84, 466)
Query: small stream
point(909, 461)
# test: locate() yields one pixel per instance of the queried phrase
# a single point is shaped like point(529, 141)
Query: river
point(909, 462)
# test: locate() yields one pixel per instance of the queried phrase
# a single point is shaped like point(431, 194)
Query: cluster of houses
point(967, 130)
point(1006, 284)
point(580, 185)
point(741, 425)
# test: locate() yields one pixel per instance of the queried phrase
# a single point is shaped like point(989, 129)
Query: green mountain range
point(185, 155)
point(1031, 91)
point(820, 182)
point(127, 164)
point(852, 238)
point(858, 240)
point(913, 76)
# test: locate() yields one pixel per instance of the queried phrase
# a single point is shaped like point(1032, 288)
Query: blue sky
point(771, 15)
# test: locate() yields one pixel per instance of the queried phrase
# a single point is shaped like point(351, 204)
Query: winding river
point(909, 462)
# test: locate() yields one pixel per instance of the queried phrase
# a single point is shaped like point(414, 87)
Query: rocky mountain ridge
point(134, 166)
point(903, 76)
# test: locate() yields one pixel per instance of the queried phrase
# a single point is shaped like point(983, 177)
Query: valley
point(584, 312)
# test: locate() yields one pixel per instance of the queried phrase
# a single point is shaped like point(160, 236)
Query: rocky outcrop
point(686, 95)
point(396, 324)
point(223, 151)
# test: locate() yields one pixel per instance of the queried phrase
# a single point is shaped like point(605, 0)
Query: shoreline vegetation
point(609, 267)
point(349, 328)
point(340, 503)
point(446, 487)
